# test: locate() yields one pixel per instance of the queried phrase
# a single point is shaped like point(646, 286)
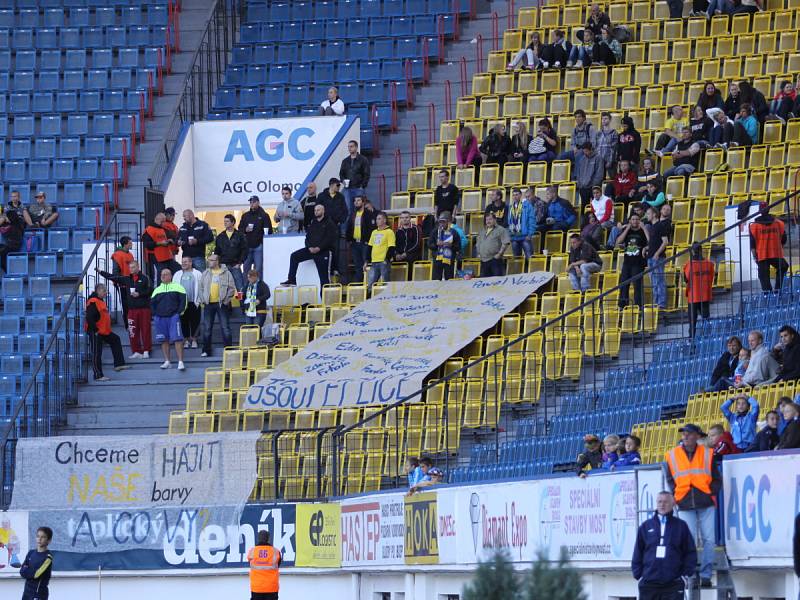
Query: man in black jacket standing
point(354, 173)
point(360, 226)
point(255, 222)
point(193, 236)
point(665, 553)
point(321, 237)
point(231, 247)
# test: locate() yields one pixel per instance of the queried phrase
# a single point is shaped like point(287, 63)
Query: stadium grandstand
point(641, 160)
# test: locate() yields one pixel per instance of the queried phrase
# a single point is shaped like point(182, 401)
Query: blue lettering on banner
point(268, 145)
point(745, 514)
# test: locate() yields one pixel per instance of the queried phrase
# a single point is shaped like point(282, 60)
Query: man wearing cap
point(171, 229)
point(254, 224)
point(591, 457)
point(40, 213)
point(589, 172)
point(767, 237)
point(193, 236)
point(695, 480)
point(354, 174)
point(445, 244)
point(288, 213)
point(320, 240)
point(492, 244)
point(334, 203)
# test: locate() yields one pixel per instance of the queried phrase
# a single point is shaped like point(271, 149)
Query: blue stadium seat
point(371, 8)
point(11, 364)
point(48, 80)
point(87, 170)
point(15, 171)
point(301, 73)
point(73, 80)
point(250, 97)
point(235, 76)
point(393, 8)
point(14, 306)
point(392, 70)
point(17, 264)
point(63, 170)
point(39, 170)
point(322, 72)
point(44, 148)
point(250, 33)
point(72, 263)
point(19, 149)
point(279, 74)
point(78, 124)
point(110, 169)
point(335, 50)
point(256, 75)
point(121, 78)
point(102, 58)
point(69, 147)
point(345, 71)
point(358, 28)
point(43, 102)
point(46, 37)
point(30, 343)
point(314, 30)
point(224, 98)
point(426, 25)
point(13, 286)
point(403, 26)
point(287, 53)
point(43, 305)
point(292, 31)
point(114, 100)
point(105, 15)
point(6, 344)
point(142, 35)
point(383, 48)
point(131, 15)
point(90, 100)
point(5, 60)
point(70, 37)
point(35, 324)
point(359, 50)
point(348, 8)
point(298, 96)
point(300, 9)
point(66, 102)
point(240, 114)
point(25, 60)
point(116, 37)
point(369, 70)
point(273, 96)
point(324, 9)
point(57, 239)
point(310, 52)
point(74, 193)
point(94, 37)
point(19, 103)
point(242, 55)
point(22, 38)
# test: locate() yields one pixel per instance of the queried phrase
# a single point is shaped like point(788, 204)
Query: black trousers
point(651, 591)
point(124, 296)
point(697, 309)
point(96, 342)
point(781, 266)
point(492, 268)
point(322, 260)
point(442, 271)
point(630, 270)
point(263, 595)
point(740, 135)
point(190, 320)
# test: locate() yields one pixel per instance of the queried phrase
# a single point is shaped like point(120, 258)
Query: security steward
point(665, 553)
point(264, 562)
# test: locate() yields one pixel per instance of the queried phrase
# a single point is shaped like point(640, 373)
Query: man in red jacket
point(698, 274)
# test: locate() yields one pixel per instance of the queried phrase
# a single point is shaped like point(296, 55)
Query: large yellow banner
point(318, 535)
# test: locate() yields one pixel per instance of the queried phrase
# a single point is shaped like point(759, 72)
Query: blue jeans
point(580, 53)
point(682, 170)
point(377, 271)
point(658, 281)
point(671, 145)
point(359, 252)
point(199, 263)
point(703, 519)
point(238, 278)
point(255, 260)
point(567, 155)
point(522, 246)
point(349, 193)
point(585, 281)
point(723, 6)
point(210, 312)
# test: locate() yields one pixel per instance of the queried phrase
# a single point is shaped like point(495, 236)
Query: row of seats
point(94, 147)
point(80, 59)
point(75, 125)
point(45, 263)
point(333, 50)
point(72, 4)
point(62, 170)
point(48, 82)
point(86, 101)
point(69, 194)
point(304, 73)
point(146, 14)
point(86, 37)
point(346, 9)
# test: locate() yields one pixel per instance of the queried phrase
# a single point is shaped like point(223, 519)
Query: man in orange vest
point(264, 562)
point(171, 229)
point(121, 260)
point(698, 274)
point(767, 237)
point(98, 326)
point(695, 480)
point(158, 248)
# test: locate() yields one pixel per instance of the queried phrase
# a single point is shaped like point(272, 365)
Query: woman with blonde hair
point(520, 139)
point(467, 149)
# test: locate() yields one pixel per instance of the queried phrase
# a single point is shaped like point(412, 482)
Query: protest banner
point(373, 530)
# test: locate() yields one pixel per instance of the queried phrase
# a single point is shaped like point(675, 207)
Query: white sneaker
point(578, 64)
point(204, 354)
point(558, 64)
point(146, 355)
point(135, 355)
point(546, 64)
point(166, 364)
point(569, 64)
point(194, 344)
point(181, 366)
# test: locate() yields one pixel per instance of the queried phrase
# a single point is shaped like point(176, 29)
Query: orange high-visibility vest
point(686, 474)
point(264, 561)
point(104, 322)
point(699, 276)
point(768, 238)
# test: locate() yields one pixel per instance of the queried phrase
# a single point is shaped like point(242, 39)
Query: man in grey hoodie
point(589, 172)
point(288, 213)
point(763, 367)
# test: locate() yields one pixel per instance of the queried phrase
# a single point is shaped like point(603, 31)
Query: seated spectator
point(733, 102)
point(15, 205)
point(521, 224)
point(636, 209)
point(333, 105)
point(467, 149)
point(583, 261)
point(496, 145)
point(602, 207)
point(647, 173)
point(788, 353)
point(605, 142)
point(497, 206)
point(608, 50)
point(763, 368)
point(741, 368)
point(591, 457)
point(685, 157)
point(782, 422)
point(721, 134)
point(590, 171)
point(596, 22)
point(12, 227)
point(710, 97)
point(629, 144)
point(743, 421)
point(531, 54)
point(556, 53)
point(582, 133)
point(783, 103)
point(583, 54)
point(413, 471)
point(673, 126)
point(630, 457)
point(722, 375)
point(40, 214)
point(767, 439)
point(408, 240)
point(653, 197)
point(560, 213)
point(756, 100)
point(539, 207)
point(543, 145)
point(321, 238)
point(610, 456)
point(790, 438)
point(721, 442)
point(520, 140)
point(430, 475)
point(623, 186)
point(592, 232)
point(745, 127)
point(701, 125)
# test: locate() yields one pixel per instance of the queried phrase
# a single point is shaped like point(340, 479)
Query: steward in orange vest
point(264, 563)
point(767, 237)
point(698, 274)
point(98, 325)
point(158, 248)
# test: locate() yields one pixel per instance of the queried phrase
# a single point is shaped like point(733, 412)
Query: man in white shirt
point(333, 106)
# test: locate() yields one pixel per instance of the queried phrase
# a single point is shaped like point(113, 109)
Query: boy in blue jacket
point(743, 422)
point(631, 455)
point(521, 224)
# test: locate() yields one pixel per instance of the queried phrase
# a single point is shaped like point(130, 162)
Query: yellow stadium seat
point(489, 175)
point(489, 107)
point(203, 423)
point(178, 423)
point(481, 84)
point(465, 177)
point(249, 336)
point(512, 105)
point(512, 174)
point(421, 270)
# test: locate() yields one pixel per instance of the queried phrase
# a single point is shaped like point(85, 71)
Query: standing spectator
point(408, 240)
point(497, 207)
point(255, 296)
point(319, 246)
point(542, 146)
point(254, 225)
point(635, 209)
point(623, 186)
point(733, 101)
point(673, 126)
point(698, 274)
point(701, 126)
point(380, 250)
point(308, 202)
point(12, 228)
point(560, 214)
point(767, 439)
point(520, 140)
point(37, 567)
point(288, 213)
point(722, 375)
point(605, 143)
point(695, 480)
point(138, 289)
point(790, 438)
point(531, 54)
point(445, 244)
point(745, 127)
point(710, 97)
point(40, 213)
point(467, 153)
point(686, 156)
point(157, 247)
point(753, 97)
point(659, 234)
point(629, 144)
point(597, 20)
point(583, 54)
point(582, 133)
point(98, 326)
point(332, 106)
point(231, 249)
point(647, 173)
point(265, 561)
point(665, 552)
point(608, 50)
point(492, 243)
point(721, 135)
point(630, 457)
point(334, 204)
point(217, 289)
point(193, 237)
point(359, 228)
point(557, 52)
point(767, 237)
point(783, 103)
point(743, 421)
point(591, 457)
point(583, 261)
point(496, 146)
point(354, 174)
point(788, 353)
point(763, 368)
point(521, 224)
point(633, 240)
point(654, 197)
point(602, 207)
point(190, 319)
point(589, 172)
point(121, 260)
point(446, 196)
point(172, 234)
point(539, 206)
point(169, 303)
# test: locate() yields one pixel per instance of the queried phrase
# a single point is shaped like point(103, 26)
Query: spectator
point(138, 289)
point(698, 274)
point(665, 552)
point(12, 228)
point(790, 438)
point(445, 244)
point(605, 143)
point(582, 133)
point(560, 213)
point(767, 439)
point(168, 303)
point(753, 97)
point(37, 567)
point(788, 353)
point(686, 157)
point(701, 126)
point(633, 240)
point(781, 421)
point(380, 250)
point(231, 249)
point(635, 209)
point(332, 105)
point(583, 54)
point(647, 173)
point(172, 235)
point(497, 207)
point(308, 202)
point(596, 22)
point(446, 196)
point(602, 207)
point(763, 368)
point(623, 186)
point(214, 296)
point(673, 128)
point(557, 52)
point(653, 197)
point(710, 97)
point(157, 247)
point(413, 471)
point(521, 224)
point(15, 205)
point(288, 213)
point(767, 237)
point(592, 232)
point(254, 225)
point(354, 174)
point(40, 213)
point(492, 243)
point(190, 279)
point(320, 242)
point(591, 457)
point(408, 240)
point(741, 368)
point(121, 261)
point(722, 375)
point(589, 172)
point(733, 101)
point(658, 240)
point(783, 103)
point(542, 146)
point(630, 457)
point(608, 50)
point(520, 140)
point(430, 475)
point(695, 480)
point(496, 146)
point(743, 421)
point(532, 54)
point(334, 204)
point(467, 153)
point(359, 228)
point(539, 207)
point(254, 299)
point(745, 127)
point(629, 144)
point(583, 261)
point(721, 135)
point(98, 326)
point(193, 236)
point(610, 456)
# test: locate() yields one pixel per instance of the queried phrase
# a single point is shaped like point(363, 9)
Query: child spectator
point(431, 475)
point(591, 457)
point(413, 471)
point(782, 422)
point(767, 438)
point(630, 456)
point(743, 422)
point(610, 456)
point(721, 442)
point(741, 367)
point(790, 438)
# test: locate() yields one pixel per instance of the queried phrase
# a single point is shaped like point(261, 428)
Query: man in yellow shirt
point(380, 250)
point(673, 126)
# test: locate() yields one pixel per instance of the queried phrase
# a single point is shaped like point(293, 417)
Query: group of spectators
point(614, 452)
point(16, 218)
point(757, 365)
point(421, 473)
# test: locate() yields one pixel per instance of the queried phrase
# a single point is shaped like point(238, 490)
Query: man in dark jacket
point(360, 226)
point(664, 554)
point(321, 239)
point(722, 375)
point(591, 457)
point(354, 173)
point(193, 236)
point(254, 224)
point(138, 289)
point(788, 351)
point(408, 240)
point(767, 439)
point(308, 203)
point(231, 247)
